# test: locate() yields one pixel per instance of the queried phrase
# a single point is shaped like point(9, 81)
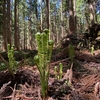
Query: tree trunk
point(4, 25)
point(71, 18)
point(75, 17)
point(8, 23)
point(31, 37)
point(62, 30)
point(92, 11)
point(16, 34)
point(48, 13)
point(30, 34)
point(24, 27)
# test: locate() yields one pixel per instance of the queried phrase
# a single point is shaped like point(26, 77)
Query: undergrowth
point(12, 67)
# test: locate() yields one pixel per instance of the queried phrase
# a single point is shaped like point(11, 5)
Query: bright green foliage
point(58, 71)
point(43, 58)
point(12, 63)
point(71, 53)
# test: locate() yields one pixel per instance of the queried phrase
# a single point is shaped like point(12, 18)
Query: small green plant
point(68, 83)
point(55, 72)
point(58, 72)
point(12, 63)
point(42, 59)
point(71, 53)
point(61, 70)
point(3, 67)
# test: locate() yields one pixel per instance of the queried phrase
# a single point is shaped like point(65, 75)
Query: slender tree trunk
point(16, 34)
point(4, 25)
point(95, 15)
point(30, 34)
point(24, 27)
point(71, 18)
point(75, 19)
point(54, 30)
point(48, 13)
point(62, 29)
point(25, 43)
point(8, 23)
point(31, 37)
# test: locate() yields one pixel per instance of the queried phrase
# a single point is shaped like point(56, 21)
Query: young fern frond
point(55, 71)
point(47, 32)
point(43, 58)
point(39, 42)
point(50, 47)
point(12, 63)
point(39, 56)
point(44, 48)
point(61, 70)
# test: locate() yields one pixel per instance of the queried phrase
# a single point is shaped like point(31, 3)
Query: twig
point(4, 86)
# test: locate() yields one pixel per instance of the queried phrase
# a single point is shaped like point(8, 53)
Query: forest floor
point(26, 84)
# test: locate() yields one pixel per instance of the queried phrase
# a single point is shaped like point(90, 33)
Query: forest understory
point(26, 84)
point(49, 49)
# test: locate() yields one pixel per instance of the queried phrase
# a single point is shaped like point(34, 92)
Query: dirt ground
point(85, 77)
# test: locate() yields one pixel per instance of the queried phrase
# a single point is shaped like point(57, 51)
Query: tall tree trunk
point(30, 35)
point(48, 13)
point(75, 17)
point(92, 11)
point(4, 25)
point(95, 15)
point(16, 34)
point(62, 30)
point(24, 27)
point(54, 32)
point(71, 18)
point(8, 23)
